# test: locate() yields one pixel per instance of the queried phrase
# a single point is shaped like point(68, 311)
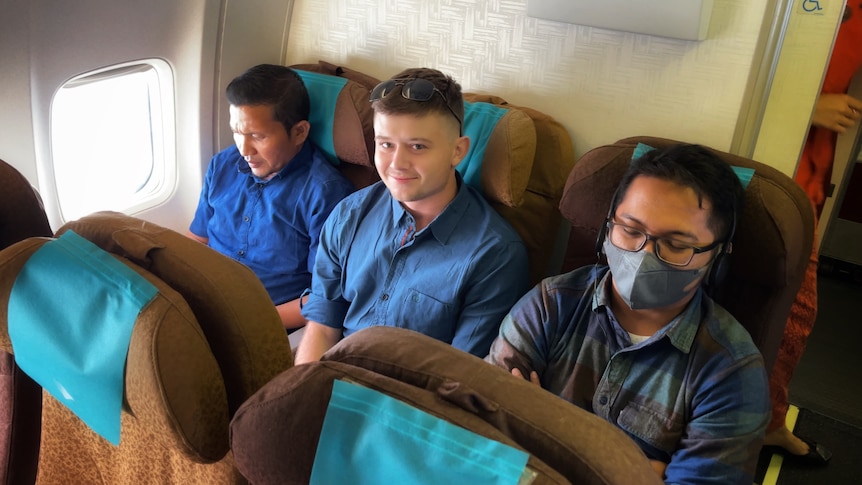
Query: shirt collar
point(600, 296)
point(445, 223)
point(681, 331)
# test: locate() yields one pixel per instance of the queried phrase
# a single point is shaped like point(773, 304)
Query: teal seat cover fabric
point(71, 313)
point(640, 150)
point(743, 173)
point(371, 438)
point(480, 119)
point(323, 91)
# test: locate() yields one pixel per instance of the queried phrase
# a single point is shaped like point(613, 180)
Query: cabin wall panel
point(16, 122)
point(70, 38)
point(602, 85)
point(799, 72)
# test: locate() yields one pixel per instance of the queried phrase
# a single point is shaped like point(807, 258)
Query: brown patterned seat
point(526, 159)
point(207, 341)
point(771, 247)
point(273, 444)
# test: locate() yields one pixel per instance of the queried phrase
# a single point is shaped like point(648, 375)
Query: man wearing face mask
point(639, 342)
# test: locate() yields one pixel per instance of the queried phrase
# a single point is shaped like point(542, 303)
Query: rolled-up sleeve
point(326, 304)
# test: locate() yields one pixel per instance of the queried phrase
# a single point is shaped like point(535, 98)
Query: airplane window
point(112, 139)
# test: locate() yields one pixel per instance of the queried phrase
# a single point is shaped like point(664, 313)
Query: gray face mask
point(643, 281)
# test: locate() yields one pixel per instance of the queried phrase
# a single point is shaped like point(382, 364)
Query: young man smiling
point(420, 249)
point(265, 199)
point(638, 342)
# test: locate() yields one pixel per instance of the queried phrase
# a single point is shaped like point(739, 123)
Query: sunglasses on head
point(414, 89)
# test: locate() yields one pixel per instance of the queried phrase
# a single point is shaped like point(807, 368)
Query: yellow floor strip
point(771, 476)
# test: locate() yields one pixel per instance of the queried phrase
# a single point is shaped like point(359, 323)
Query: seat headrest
point(172, 382)
point(267, 429)
point(230, 303)
point(342, 123)
point(588, 449)
point(503, 137)
point(502, 149)
point(770, 220)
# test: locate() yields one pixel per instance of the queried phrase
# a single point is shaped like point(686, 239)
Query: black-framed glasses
point(674, 253)
point(414, 89)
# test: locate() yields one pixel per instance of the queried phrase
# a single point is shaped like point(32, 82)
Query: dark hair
point(700, 169)
point(272, 85)
point(450, 89)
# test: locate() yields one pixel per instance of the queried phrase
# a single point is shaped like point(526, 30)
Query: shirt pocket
point(432, 315)
point(651, 425)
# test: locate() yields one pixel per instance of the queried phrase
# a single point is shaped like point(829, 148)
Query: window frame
point(161, 183)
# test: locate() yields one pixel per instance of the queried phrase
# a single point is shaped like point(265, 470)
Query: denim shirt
point(693, 395)
point(454, 280)
point(272, 226)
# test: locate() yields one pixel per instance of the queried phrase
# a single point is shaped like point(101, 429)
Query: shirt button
point(603, 400)
point(384, 297)
point(245, 218)
point(241, 252)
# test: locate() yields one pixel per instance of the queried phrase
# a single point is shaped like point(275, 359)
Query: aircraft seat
point(771, 246)
point(273, 443)
point(21, 216)
point(207, 339)
point(342, 122)
point(519, 157)
point(225, 296)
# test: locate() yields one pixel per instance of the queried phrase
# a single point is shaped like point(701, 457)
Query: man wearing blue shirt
point(639, 342)
point(420, 249)
point(264, 200)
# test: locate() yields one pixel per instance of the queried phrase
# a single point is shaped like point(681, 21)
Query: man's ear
point(462, 147)
point(299, 131)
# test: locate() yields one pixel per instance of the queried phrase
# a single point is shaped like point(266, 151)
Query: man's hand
point(534, 377)
point(836, 112)
point(317, 340)
point(658, 466)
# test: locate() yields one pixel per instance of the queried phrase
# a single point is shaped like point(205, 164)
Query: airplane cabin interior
point(112, 111)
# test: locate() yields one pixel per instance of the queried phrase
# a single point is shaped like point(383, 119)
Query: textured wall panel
point(601, 84)
point(798, 75)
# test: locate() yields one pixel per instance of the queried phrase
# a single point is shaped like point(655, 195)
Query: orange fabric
point(814, 174)
point(803, 313)
point(815, 165)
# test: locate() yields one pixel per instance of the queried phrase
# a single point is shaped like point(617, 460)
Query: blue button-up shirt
point(454, 280)
point(694, 395)
point(272, 226)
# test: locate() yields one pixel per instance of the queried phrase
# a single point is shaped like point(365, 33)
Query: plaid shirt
point(694, 395)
